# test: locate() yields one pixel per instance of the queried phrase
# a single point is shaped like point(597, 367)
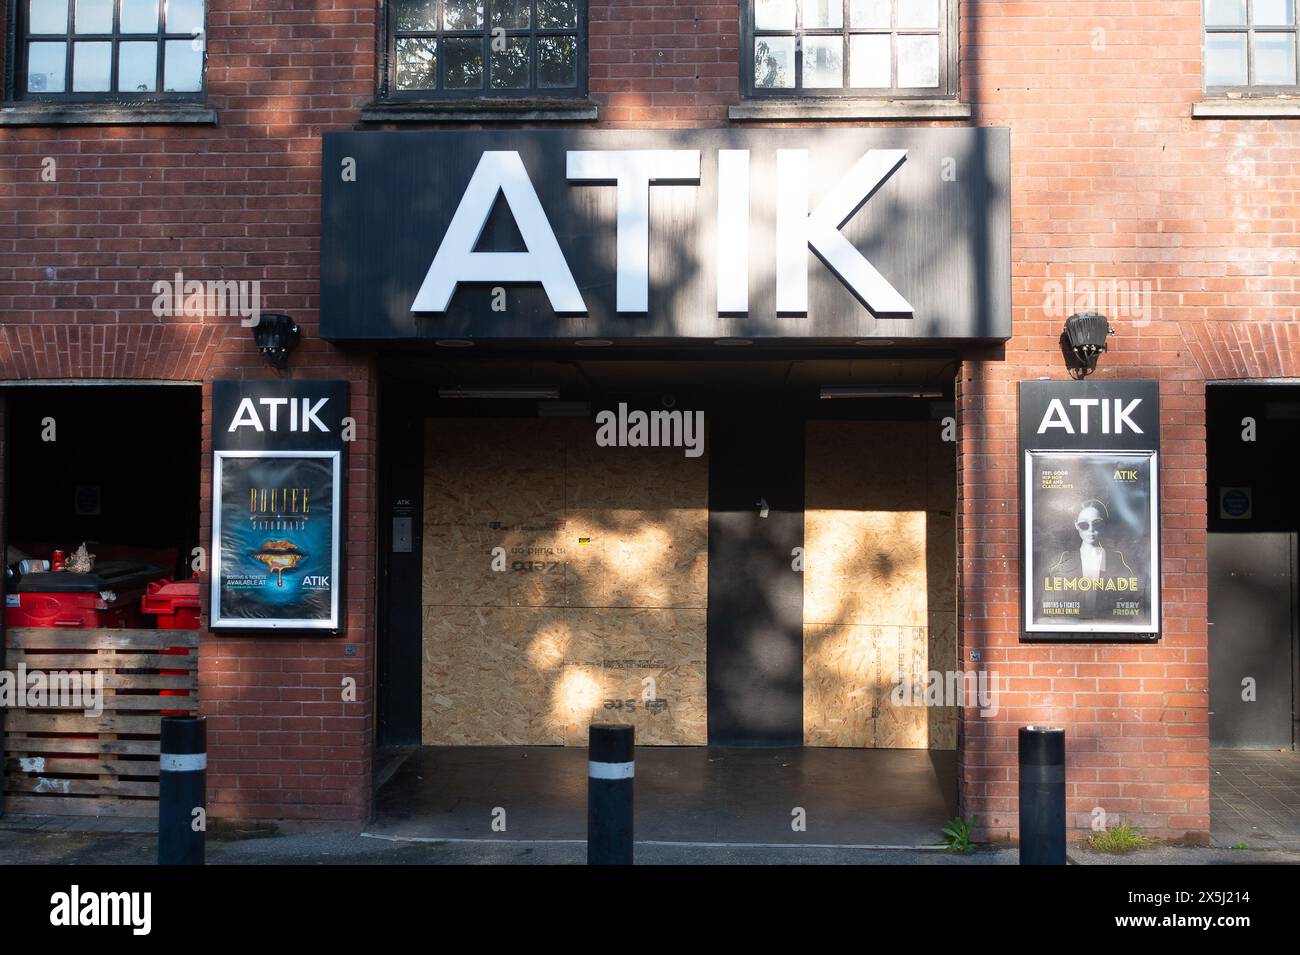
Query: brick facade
point(1112, 179)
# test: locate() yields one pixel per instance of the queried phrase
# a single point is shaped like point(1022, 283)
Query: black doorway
point(1253, 518)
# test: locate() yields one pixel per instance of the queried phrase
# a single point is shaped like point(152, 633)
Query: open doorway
point(100, 525)
point(1253, 519)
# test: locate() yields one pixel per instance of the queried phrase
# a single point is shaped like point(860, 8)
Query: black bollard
point(610, 775)
point(182, 788)
point(1042, 796)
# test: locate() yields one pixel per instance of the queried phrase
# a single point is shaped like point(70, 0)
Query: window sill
point(1247, 107)
point(79, 114)
point(795, 108)
point(480, 111)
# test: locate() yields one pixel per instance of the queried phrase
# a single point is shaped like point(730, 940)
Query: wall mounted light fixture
point(276, 336)
point(1085, 334)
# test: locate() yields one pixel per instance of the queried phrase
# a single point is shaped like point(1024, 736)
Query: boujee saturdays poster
point(277, 562)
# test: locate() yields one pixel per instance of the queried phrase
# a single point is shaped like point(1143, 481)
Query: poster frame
point(218, 622)
point(1089, 633)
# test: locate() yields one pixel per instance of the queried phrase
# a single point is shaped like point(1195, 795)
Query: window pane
point(1224, 12)
point(823, 62)
point(182, 67)
point(918, 61)
point(774, 62)
point(1275, 59)
point(869, 13)
point(818, 14)
point(918, 13)
point(1270, 13)
point(1225, 59)
point(93, 16)
point(557, 14)
point(48, 16)
point(185, 16)
point(464, 67)
point(139, 16)
point(869, 60)
point(510, 66)
point(417, 63)
point(511, 14)
point(417, 15)
point(557, 60)
point(461, 15)
point(137, 67)
point(46, 67)
point(91, 63)
point(771, 14)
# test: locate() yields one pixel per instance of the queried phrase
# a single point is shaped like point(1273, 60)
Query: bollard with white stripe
point(182, 786)
point(610, 775)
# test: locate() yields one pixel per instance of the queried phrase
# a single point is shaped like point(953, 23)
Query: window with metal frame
point(861, 48)
point(106, 51)
point(1250, 46)
point(471, 48)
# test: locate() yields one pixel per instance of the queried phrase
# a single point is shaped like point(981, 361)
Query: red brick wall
point(1111, 178)
point(135, 204)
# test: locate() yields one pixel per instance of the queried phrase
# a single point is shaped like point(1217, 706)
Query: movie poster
point(1091, 542)
point(277, 559)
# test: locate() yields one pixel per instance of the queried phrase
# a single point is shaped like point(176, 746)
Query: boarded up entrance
point(879, 578)
point(559, 577)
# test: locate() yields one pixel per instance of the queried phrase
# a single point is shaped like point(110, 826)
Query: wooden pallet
point(68, 762)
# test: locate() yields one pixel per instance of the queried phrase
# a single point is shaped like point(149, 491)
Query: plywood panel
point(604, 586)
point(482, 492)
point(879, 583)
point(644, 515)
point(539, 675)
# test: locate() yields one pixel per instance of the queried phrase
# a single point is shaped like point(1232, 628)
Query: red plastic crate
point(175, 604)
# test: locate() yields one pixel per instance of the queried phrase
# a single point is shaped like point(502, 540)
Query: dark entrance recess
point(1253, 519)
point(755, 616)
point(122, 473)
point(756, 409)
point(116, 467)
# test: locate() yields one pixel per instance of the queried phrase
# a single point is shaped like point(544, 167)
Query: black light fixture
point(276, 336)
point(1085, 334)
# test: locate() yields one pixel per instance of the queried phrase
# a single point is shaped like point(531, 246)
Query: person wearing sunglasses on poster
point(1092, 558)
point(1095, 563)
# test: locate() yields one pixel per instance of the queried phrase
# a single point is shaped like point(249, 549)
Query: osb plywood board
point(879, 583)
point(541, 675)
point(580, 525)
point(604, 585)
point(644, 515)
point(489, 484)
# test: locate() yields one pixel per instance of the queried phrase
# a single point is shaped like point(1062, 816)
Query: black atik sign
point(278, 415)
